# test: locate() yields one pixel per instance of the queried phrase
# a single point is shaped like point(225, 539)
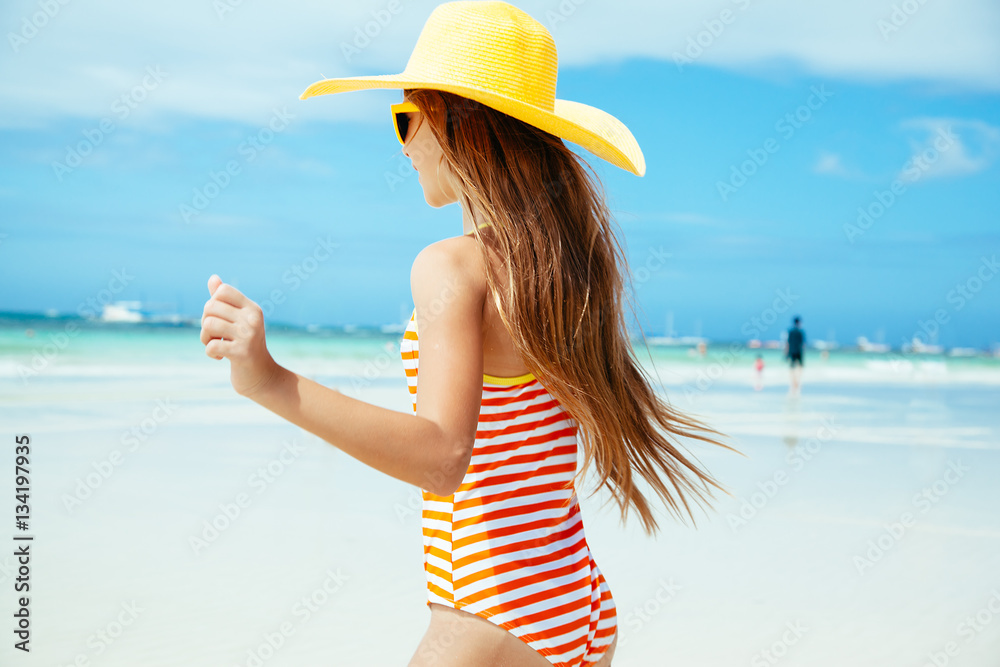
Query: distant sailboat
point(671, 339)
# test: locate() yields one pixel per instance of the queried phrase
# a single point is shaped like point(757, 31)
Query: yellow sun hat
point(497, 54)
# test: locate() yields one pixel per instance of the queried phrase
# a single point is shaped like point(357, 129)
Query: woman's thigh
point(457, 638)
point(606, 660)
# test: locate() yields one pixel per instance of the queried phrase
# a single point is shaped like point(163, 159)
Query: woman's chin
point(435, 200)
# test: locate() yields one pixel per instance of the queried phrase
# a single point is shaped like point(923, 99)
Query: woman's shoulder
point(458, 250)
point(452, 259)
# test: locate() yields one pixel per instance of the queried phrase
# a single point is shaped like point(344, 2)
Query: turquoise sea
point(33, 348)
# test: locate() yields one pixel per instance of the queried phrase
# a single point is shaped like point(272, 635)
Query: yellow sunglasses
point(400, 120)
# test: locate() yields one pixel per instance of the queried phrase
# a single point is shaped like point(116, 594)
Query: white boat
point(866, 345)
point(675, 341)
point(917, 346)
point(122, 311)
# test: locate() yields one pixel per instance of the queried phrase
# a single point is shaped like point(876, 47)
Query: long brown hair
point(551, 235)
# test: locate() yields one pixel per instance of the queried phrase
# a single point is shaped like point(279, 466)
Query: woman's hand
point(232, 326)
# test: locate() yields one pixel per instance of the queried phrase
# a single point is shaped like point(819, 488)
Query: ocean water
point(32, 350)
point(177, 523)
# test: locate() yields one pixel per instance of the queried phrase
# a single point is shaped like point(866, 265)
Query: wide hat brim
point(595, 130)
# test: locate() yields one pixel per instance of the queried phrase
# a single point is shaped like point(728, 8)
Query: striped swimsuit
point(509, 544)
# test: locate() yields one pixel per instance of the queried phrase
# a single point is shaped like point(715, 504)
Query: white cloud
point(262, 55)
point(952, 42)
point(830, 163)
point(949, 147)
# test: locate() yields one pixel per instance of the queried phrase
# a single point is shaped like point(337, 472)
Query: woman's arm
point(415, 450)
point(431, 449)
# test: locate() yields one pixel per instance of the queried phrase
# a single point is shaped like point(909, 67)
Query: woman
point(523, 348)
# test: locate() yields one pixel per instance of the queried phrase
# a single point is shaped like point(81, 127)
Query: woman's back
point(500, 356)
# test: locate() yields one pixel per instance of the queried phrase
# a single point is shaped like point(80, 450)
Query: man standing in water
point(793, 351)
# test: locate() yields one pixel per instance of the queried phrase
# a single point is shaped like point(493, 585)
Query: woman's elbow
point(447, 476)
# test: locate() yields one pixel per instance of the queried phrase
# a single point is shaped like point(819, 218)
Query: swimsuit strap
point(485, 224)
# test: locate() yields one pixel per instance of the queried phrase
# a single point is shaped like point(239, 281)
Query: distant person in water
point(759, 376)
point(793, 352)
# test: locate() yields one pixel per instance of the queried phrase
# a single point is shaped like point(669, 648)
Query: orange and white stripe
point(509, 544)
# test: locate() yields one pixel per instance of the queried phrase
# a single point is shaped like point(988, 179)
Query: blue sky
point(761, 152)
